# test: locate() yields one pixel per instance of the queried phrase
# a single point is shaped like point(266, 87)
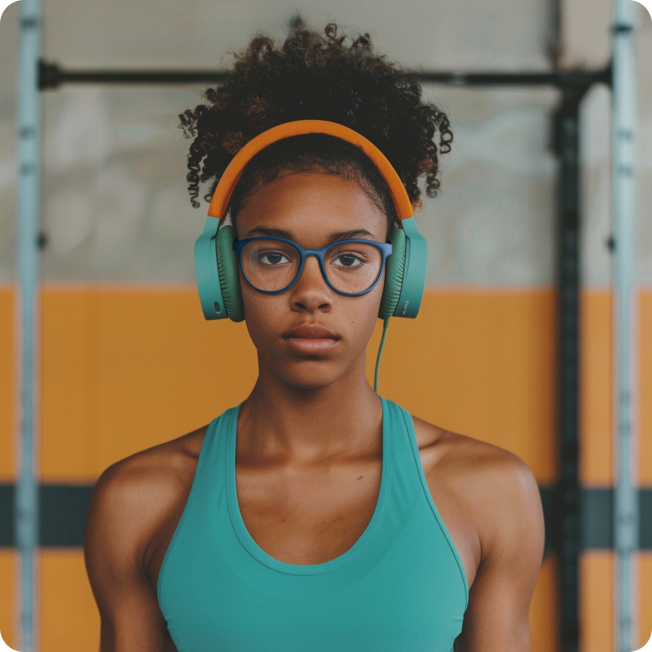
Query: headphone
point(216, 263)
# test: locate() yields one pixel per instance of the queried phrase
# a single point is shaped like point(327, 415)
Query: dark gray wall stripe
point(62, 517)
point(645, 498)
point(62, 514)
point(596, 509)
point(63, 510)
point(6, 515)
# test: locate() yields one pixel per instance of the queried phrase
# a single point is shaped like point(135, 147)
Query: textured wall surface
point(114, 202)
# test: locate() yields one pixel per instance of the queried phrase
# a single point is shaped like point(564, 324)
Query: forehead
point(312, 205)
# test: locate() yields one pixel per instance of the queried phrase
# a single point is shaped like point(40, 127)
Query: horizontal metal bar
point(63, 510)
point(558, 79)
point(52, 76)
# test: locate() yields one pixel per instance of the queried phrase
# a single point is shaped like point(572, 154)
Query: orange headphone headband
point(229, 179)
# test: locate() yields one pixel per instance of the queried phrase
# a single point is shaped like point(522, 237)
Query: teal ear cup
point(208, 280)
point(414, 274)
point(216, 269)
point(227, 267)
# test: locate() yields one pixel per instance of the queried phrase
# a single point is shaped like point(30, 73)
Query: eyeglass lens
point(272, 265)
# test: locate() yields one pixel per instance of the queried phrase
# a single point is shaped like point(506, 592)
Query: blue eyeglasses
point(351, 267)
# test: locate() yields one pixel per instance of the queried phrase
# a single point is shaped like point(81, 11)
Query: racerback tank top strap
point(401, 586)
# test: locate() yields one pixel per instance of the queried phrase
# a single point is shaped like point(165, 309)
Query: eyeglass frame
point(385, 250)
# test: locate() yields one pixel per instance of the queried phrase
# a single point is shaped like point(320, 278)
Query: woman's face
point(311, 209)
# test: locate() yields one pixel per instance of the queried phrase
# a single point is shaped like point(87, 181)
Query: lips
point(310, 338)
point(310, 332)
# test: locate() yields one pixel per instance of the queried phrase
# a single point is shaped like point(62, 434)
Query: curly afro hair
point(319, 77)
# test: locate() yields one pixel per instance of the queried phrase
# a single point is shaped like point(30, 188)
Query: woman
point(316, 515)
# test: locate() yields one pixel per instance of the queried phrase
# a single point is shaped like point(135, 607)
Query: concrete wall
point(114, 203)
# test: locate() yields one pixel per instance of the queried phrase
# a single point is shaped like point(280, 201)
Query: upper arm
point(512, 540)
point(117, 528)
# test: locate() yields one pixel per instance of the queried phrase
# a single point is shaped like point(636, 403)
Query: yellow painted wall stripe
point(69, 620)
point(645, 390)
point(543, 608)
point(596, 601)
point(123, 370)
point(8, 595)
point(596, 400)
point(7, 383)
point(126, 368)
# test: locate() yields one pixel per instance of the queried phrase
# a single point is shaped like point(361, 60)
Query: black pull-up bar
point(51, 76)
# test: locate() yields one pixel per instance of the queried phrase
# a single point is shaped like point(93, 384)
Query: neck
point(300, 424)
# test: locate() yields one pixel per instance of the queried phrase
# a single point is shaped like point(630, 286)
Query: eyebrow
point(334, 237)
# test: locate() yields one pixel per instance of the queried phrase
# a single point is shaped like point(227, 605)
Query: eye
point(272, 258)
point(348, 260)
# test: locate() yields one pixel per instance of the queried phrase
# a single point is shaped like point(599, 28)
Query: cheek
point(362, 315)
point(263, 314)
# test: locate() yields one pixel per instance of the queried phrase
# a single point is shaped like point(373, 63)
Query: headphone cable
point(380, 352)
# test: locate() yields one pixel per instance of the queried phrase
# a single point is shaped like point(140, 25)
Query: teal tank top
point(401, 586)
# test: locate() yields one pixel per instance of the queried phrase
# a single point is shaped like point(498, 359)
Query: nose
point(310, 291)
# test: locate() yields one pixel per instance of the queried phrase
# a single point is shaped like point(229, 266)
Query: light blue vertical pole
point(626, 510)
point(29, 117)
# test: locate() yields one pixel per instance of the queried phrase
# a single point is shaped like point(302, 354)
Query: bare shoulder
point(138, 485)
point(151, 465)
point(476, 460)
point(133, 496)
point(494, 487)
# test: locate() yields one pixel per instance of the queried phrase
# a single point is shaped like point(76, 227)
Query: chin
point(308, 381)
point(309, 376)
